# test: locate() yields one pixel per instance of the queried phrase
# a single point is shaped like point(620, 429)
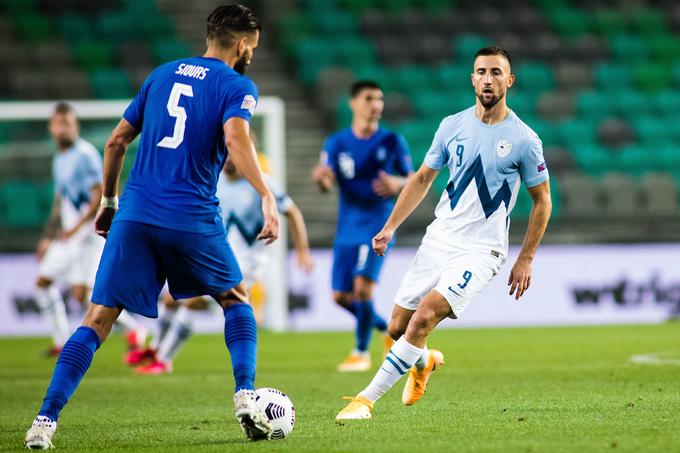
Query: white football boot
point(253, 422)
point(39, 437)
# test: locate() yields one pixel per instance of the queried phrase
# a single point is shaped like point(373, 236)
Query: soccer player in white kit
point(489, 151)
point(69, 251)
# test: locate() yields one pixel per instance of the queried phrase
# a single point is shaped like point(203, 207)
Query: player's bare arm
point(520, 275)
point(298, 232)
point(242, 152)
point(415, 190)
point(95, 199)
point(324, 177)
point(114, 153)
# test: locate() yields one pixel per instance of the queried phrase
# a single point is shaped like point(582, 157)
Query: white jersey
point(76, 171)
point(486, 164)
point(241, 210)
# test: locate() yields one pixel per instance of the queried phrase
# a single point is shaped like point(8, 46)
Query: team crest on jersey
point(381, 154)
point(249, 103)
point(503, 148)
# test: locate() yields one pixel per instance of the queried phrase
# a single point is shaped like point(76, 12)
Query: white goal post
point(270, 111)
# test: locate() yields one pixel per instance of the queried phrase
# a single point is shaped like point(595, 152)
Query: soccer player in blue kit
point(191, 113)
point(370, 165)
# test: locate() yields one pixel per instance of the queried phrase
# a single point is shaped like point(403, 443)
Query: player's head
point(234, 28)
point(366, 100)
point(63, 125)
point(491, 75)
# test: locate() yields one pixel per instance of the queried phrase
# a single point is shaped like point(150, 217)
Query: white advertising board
point(571, 285)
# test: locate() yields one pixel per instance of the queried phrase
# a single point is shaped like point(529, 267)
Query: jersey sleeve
point(404, 165)
point(533, 168)
point(240, 100)
point(92, 170)
point(134, 113)
point(328, 153)
point(283, 201)
point(437, 156)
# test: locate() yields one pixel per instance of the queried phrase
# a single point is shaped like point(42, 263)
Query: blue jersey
point(180, 110)
point(356, 164)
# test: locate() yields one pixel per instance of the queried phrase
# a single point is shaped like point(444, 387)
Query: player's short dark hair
point(63, 108)
point(492, 50)
point(227, 21)
point(361, 85)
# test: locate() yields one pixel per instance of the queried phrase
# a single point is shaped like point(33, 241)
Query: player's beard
point(65, 142)
point(241, 65)
point(487, 104)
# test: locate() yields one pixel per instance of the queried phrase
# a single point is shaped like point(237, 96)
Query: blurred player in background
point(168, 227)
point(488, 151)
point(69, 251)
point(242, 217)
point(370, 165)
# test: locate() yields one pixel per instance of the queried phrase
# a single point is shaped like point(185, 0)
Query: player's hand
point(43, 245)
point(324, 177)
point(270, 231)
point(381, 240)
point(64, 235)
point(386, 185)
point(305, 261)
point(102, 222)
point(520, 277)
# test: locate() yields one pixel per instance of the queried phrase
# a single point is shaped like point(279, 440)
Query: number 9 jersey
point(180, 111)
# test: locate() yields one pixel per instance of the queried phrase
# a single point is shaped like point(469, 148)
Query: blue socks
point(378, 321)
point(240, 335)
point(73, 362)
point(364, 325)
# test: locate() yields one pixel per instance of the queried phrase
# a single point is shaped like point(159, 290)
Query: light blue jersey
point(486, 164)
point(241, 206)
point(76, 171)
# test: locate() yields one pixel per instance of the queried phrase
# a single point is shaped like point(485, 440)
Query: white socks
point(399, 360)
point(52, 305)
point(422, 361)
point(177, 334)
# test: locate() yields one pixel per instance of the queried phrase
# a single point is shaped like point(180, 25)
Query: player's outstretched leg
point(52, 305)
point(240, 335)
point(407, 350)
point(73, 363)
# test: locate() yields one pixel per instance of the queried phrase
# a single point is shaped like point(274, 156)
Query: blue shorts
point(350, 261)
point(139, 258)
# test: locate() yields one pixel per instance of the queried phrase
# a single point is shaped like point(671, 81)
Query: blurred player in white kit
point(69, 250)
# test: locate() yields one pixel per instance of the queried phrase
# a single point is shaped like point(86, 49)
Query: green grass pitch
point(524, 390)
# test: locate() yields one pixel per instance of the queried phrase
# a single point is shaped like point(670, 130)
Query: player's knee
point(43, 282)
point(343, 299)
point(421, 323)
point(363, 289)
point(395, 330)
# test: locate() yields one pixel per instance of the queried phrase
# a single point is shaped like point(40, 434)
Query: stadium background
point(599, 80)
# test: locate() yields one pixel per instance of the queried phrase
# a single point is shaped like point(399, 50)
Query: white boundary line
point(653, 358)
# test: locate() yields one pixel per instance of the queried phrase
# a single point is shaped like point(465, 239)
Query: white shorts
point(73, 261)
point(252, 259)
point(457, 274)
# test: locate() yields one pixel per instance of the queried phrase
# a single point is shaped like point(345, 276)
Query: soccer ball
point(278, 409)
